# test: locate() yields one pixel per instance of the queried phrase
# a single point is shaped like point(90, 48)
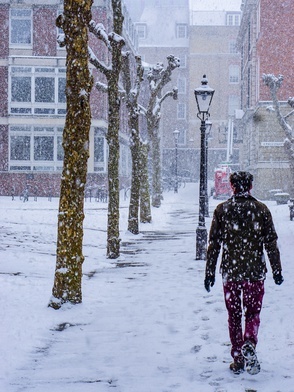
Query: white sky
point(215, 5)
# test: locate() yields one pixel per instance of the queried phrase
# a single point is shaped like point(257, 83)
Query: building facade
point(33, 102)
point(213, 53)
point(266, 48)
point(205, 42)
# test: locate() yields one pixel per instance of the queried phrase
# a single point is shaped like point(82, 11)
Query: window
point(181, 31)
point(21, 27)
point(183, 61)
point(181, 112)
point(99, 150)
point(234, 104)
point(36, 148)
point(43, 148)
point(182, 137)
point(44, 89)
point(20, 148)
point(234, 74)
point(21, 89)
point(37, 90)
point(182, 85)
point(141, 30)
point(233, 19)
point(60, 34)
point(232, 47)
point(60, 152)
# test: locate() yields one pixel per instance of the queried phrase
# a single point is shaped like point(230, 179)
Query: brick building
point(267, 47)
point(33, 103)
point(203, 35)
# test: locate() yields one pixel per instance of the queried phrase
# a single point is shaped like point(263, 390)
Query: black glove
point(278, 278)
point(209, 282)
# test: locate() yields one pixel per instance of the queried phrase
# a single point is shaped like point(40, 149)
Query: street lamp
point(176, 136)
point(208, 125)
point(203, 96)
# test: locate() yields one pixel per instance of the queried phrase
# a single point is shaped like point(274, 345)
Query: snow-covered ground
point(146, 323)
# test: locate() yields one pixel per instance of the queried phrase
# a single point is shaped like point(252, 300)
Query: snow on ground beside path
point(146, 323)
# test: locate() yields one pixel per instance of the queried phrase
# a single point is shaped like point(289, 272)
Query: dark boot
point(252, 364)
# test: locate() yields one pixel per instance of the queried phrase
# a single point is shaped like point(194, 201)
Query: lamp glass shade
point(203, 96)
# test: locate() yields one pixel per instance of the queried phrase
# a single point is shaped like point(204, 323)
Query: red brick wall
point(4, 23)
point(45, 31)
point(276, 45)
point(39, 184)
point(3, 147)
point(3, 91)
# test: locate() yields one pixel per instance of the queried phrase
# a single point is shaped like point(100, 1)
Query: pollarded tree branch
point(99, 31)
point(274, 83)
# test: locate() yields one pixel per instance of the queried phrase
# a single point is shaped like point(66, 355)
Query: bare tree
point(274, 83)
point(69, 260)
point(132, 94)
point(158, 77)
point(114, 42)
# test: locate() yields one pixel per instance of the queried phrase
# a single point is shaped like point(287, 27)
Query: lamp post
point(203, 96)
point(176, 136)
point(208, 125)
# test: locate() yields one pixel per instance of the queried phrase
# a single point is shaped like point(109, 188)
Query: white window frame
point(182, 137)
point(233, 19)
point(182, 85)
point(233, 104)
point(18, 19)
point(36, 165)
point(233, 47)
point(183, 61)
point(141, 29)
point(181, 30)
point(234, 74)
point(100, 166)
point(31, 107)
point(181, 111)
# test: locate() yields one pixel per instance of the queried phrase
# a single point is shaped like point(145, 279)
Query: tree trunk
point(68, 272)
point(113, 240)
point(133, 221)
point(145, 207)
point(156, 173)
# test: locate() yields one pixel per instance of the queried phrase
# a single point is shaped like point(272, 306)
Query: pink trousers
point(243, 297)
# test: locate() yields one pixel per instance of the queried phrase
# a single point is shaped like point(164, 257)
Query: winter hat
point(241, 181)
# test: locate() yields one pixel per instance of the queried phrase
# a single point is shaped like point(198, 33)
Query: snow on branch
point(99, 31)
point(273, 81)
point(61, 40)
point(116, 39)
point(100, 65)
point(291, 102)
point(101, 87)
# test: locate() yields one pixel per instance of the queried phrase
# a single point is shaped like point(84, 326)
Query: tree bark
point(132, 95)
point(145, 206)
point(69, 260)
point(156, 172)
point(116, 42)
point(133, 220)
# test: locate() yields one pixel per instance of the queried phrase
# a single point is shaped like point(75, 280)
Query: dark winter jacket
point(243, 226)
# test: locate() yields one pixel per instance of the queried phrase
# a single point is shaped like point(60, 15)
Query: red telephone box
point(222, 186)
